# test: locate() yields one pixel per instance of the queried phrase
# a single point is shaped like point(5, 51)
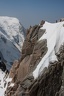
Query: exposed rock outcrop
point(32, 52)
point(50, 82)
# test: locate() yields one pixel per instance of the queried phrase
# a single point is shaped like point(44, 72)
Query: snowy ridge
point(11, 38)
point(55, 38)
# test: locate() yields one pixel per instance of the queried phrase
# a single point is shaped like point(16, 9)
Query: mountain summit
point(12, 35)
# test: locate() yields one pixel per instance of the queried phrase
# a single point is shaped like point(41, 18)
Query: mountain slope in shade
point(11, 39)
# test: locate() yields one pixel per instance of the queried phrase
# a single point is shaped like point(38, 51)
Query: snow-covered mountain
point(41, 69)
point(11, 39)
point(54, 35)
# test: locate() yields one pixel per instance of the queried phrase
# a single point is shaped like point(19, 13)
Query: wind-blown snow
point(3, 82)
point(11, 38)
point(55, 38)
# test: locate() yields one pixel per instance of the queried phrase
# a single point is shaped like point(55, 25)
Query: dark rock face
point(42, 22)
point(50, 82)
point(2, 66)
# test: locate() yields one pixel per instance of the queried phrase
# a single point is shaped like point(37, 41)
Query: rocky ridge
point(50, 82)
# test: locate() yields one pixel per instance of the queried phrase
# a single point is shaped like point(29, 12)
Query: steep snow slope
point(55, 38)
point(11, 39)
point(3, 82)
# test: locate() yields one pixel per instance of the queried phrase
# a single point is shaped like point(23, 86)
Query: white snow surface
point(3, 82)
point(55, 38)
point(11, 38)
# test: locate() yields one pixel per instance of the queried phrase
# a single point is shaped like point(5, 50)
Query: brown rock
point(42, 22)
point(51, 80)
point(13, 69)
point(23, 69)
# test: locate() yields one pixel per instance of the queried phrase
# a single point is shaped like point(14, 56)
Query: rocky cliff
point(40, 70)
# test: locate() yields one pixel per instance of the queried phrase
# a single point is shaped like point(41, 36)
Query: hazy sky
point(31, 12)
